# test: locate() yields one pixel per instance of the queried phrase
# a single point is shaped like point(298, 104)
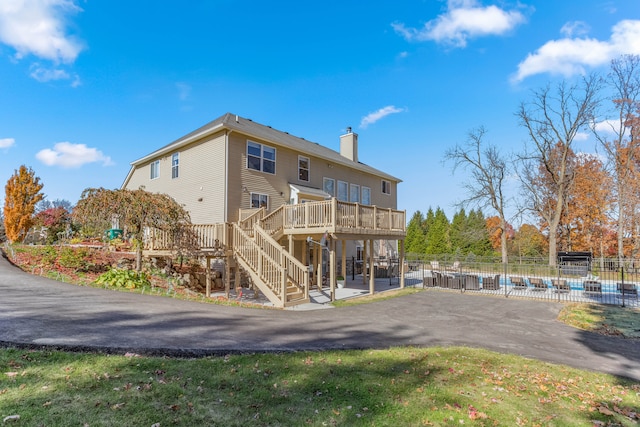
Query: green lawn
point(395, 387)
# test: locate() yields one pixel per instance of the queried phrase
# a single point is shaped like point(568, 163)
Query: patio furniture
point(429, 281)
point(538, 284)
point(435, 265)
point(592, 288)
point(627, 289)
point(471, 282)
point(560, 285)
point(491, 283)
point(519, 283)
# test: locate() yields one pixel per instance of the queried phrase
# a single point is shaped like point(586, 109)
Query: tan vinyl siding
point(200, 184)
point(240, 177)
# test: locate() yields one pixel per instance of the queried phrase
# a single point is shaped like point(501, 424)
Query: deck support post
point(401, 266)
point(332, 268)
point(364, 262)
point(343, 266)
point(372, 276)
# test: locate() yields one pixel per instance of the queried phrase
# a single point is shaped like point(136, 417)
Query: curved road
point(36, 312)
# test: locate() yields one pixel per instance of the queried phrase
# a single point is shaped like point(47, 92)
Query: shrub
point(71, 258)
point(129, 279)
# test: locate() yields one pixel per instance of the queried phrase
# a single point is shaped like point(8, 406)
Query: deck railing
point(204, 237)
point(340, 216)
point(273, 222)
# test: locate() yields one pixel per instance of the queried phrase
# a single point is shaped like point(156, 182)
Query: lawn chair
point(627, 289)
point(592, 288)
point(471, 282)
point(538, 284)
point(560, 285)
point(491, 283)
point(519, 283)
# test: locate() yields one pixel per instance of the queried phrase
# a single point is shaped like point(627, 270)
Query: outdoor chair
point(538, 284)
point(454, 282)
point(435, 265)
point(491, 283)
point(592, 288)
point(429, 281)
point(627, 289)
point(471, 282)
point(560, 285)
point(519, 283)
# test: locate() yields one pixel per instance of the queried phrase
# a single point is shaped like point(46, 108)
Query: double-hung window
point(329, 186)
point(366, 196)
point(354, 196)
point(303, 168)
point(261, 157)
point(259, 200)
point(175, 165)
point(386, 187)
point(155, 169)
point(343, 191)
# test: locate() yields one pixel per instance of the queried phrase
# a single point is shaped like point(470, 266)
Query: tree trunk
point(503, 240)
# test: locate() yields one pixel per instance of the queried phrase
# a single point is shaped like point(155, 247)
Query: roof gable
point(267, 133)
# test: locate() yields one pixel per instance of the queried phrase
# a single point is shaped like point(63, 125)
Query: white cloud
point(68, 155)
point(371, 118)
point(575, 28)
point(38, 27)
point(7, 142)
point(569, 56)
point(464, 19)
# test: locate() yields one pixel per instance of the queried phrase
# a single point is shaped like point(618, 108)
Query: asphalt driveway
point(35, 312)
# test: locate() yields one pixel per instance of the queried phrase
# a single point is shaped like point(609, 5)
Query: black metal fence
point(614, 284)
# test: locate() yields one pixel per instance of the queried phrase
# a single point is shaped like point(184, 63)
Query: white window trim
point(308, 168)
point(175, 167)
point(362, 196)
point(259, 197)
point(262, 159)
point(354, 190)
point(388, 185)
point(338, 191)
point(324, 187)
point(157, 169)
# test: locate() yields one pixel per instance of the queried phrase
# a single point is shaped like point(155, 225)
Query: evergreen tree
point(438, 235)
point(478, 234)
point(457, 233)
point(415, 242)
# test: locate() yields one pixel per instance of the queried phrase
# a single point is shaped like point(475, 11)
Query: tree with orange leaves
point(22, 193)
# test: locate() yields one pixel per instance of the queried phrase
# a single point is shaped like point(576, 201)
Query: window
point(359, 253)
point(354, 193)
point(329, 186)
point(175, 163)
point(261, 157)
point(259, 200)
point(343, 191)
point(155, 169)
point(303, 168)
point(366, 196)
point(386, 187)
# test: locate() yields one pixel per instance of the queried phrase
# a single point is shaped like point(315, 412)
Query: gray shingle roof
point(273, 136)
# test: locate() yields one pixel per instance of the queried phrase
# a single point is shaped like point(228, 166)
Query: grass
point(375, 297)
point(399, 386)
point(609, 320)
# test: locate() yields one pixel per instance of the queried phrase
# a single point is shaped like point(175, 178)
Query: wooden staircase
point(278, 275)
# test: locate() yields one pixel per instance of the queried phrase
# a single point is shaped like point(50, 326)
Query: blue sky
point(89, 86)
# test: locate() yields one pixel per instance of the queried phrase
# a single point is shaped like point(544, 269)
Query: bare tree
point(615, 135)
point(552, 120)
point(488, 173)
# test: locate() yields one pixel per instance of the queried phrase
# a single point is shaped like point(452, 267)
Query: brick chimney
point(349, 145)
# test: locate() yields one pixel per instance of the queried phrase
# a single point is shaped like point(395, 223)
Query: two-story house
point(236, 171)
